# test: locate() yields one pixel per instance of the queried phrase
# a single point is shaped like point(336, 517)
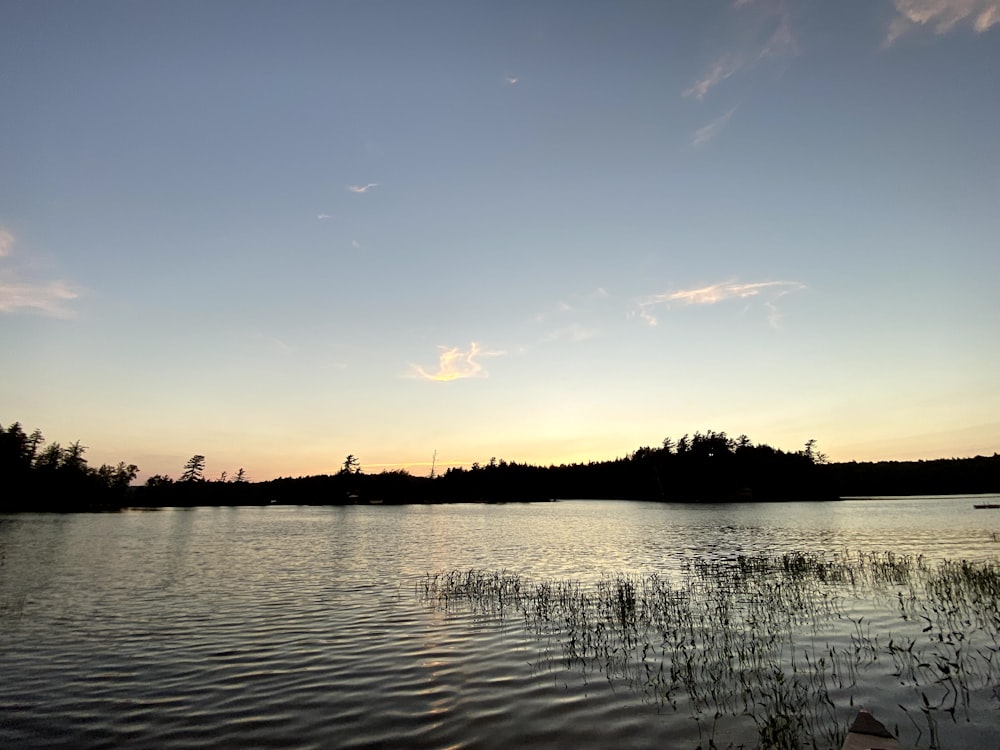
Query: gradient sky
point(275, 233)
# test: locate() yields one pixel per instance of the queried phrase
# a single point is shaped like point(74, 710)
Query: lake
point(319, 626)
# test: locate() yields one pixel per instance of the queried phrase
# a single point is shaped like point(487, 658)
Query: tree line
point(704, 467)
point(36, 476)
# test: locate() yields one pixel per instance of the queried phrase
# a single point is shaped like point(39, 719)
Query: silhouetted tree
point(194, 469)
point(118, 477)
point(813, 454)
point(49, 459)
point(705, 467)
point(53, 478)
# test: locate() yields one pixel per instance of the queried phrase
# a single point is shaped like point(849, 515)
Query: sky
point(278, 233)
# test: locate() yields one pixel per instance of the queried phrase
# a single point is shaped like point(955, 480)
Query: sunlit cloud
point(987, 18)
point(322, 217)
point(456, 364)
point(707, 132)
point(709, 295)
point(942, 16)
point(362, 188)
point(715, 293)
point(17, 295)
point(511, 80)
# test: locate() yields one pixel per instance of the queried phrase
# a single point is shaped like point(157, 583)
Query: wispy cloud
point(355, 244)
point(511, 80)
point(719, 71)
point(764, 31)
point(707, 132)
point(782, 41)
point(456, 364)
point(574, 332)
point(16, 295)
point(578, 304)
point(942, 16)
point(581, 318)
point(272, 340)
point(774, 315)
point(715, 293)
point(6, 242)
point(362, 188)
point(49, 298)
point(322, 217)
point(559, 308)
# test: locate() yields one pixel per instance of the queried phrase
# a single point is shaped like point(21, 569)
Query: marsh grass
point(775, 639)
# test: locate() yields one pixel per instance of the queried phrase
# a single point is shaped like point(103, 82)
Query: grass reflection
point(783, 640)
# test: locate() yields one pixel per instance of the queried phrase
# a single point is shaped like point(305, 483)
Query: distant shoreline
point(706, 467)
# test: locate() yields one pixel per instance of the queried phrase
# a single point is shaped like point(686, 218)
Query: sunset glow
point(276, 234)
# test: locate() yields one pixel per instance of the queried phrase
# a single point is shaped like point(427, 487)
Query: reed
point(776, 639)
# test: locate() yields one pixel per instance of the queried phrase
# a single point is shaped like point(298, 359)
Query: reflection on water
point(299, 626)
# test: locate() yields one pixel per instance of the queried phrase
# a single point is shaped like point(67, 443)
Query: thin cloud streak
point(272, 340)
point(942, 15)
point(362, 188)
point(715, 293)
point(456, 364)
point(6, 242)
point(579, 304)
point(719, 72)
point(780, 43)
point(709, 295)
point(706, 133)
point(574, 333)
point(48, 298)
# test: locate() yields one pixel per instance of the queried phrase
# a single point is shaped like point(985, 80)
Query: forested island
point(705, 467)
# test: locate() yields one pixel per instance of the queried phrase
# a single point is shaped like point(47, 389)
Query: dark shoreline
point(703, 468)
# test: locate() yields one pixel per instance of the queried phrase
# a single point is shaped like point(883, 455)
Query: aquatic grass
point(772, 639)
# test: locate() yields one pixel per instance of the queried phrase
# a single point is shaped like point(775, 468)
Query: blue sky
point(278, 233)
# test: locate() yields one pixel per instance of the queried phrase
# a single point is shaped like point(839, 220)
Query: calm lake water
point(309, 626)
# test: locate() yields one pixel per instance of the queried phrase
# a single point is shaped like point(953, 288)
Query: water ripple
point(278, 627)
